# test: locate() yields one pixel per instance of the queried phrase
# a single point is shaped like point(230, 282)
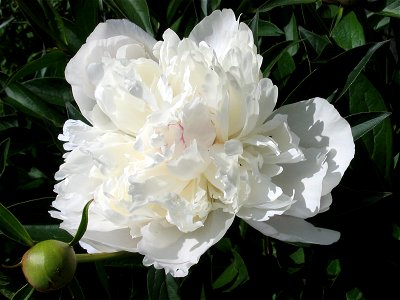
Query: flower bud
point(49, 265)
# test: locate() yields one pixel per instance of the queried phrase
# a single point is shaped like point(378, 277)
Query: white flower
point(185, 137)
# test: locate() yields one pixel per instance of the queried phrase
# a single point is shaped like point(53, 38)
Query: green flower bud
point(49, 265)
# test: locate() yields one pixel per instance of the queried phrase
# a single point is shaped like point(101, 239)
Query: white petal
point(305, 179)
point(113, 28)
point(110, 241)
point(168, 248)
point(291, 229)
point(319, 125)
point(216, 30)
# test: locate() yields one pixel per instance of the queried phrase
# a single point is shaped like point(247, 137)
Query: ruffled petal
point(296, 230)
point(169, 248)
point(319, 125)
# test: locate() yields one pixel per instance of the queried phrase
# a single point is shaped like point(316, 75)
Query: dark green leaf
point(226, 277)
point(137, 11)
point(254, 28)
point(361, 123)
point(333, 268)
point(354, 294)
point(24, 293)
point(316, 41)
point(4, 146)
point(266, 28)
point(241, 268)
point(172, 10)
point(52, 90)
point(155, 280)
point(25, 101)
point(45, 19)
point(349, 33)
point(292, 34)
point(273, 54)
point(298, 256)
point(392, 10)
point(284, 67)
point(396, 232)
point(279, 3)
point(172, 287)
point(48, 59)
point(86, 16)
point(82, 225)
point(47, 232)
point(364, 97)
point(11, 227)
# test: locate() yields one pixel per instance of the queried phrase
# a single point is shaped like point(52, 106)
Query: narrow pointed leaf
point(392, 10)
point(11, 227)
point(4, 146)
point(26, 101)
point(48, 59)
point(273, 54)
point(24, 293)
point(360, 66)
point(53, 90)
point(362, 123)
point(278, 3)
point(172, 287)
point(137, 11)
point(82, 225)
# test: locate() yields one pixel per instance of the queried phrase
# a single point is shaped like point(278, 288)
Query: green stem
point(84, 258)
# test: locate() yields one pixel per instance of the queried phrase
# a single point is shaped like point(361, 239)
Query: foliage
point(348, 54)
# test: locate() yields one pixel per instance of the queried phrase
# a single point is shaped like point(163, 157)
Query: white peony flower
point(184, 138)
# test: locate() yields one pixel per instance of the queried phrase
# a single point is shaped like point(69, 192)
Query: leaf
point(47, 232)
point(243, 275)
point(317, 42)
point(360, 66)
point(266, 28)
point(82, 225)
point(364, 97)
point(333, 269)
point(45, 19)
point(49, 59)
point(236, 272)
point(292, 34)
point(75, 290)
point(11, 227)
point(392, 10)
point(229, 274)
point(55, 91)
point(172, 287)
point(284, 67)
point(86, 16)
point(27, 102)
point(273, 54)
point(254, 28)
point(279, 3)
point(4, 147)
point(354, 294)
point(298, 256)
point(155, 279)
point(361, 123)
point(24, 293)
point(349, 33)
point(396, 232)
point(136, 11)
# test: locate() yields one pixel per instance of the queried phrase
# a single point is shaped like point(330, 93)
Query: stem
point(85, 258)
point(13, 266)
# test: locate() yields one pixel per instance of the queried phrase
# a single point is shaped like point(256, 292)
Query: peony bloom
point(184, 138)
